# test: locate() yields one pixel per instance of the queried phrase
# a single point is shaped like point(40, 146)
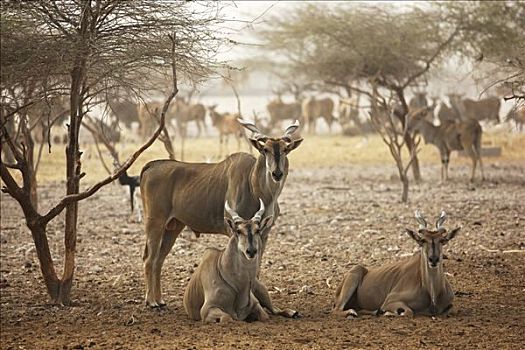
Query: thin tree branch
point(57, 209)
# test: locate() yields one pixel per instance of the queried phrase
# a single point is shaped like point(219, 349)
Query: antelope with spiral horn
point(220, 288)
point(417, 285)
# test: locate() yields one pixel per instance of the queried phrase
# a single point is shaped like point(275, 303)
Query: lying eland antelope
point(177, 194)
point(220, 288)
point(414, 286)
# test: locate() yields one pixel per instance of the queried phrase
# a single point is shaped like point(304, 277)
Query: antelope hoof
point(225, 319)
point(350, 314)
point(152, 305)
point(288, 313)
point(156, 305)
point(263, 317)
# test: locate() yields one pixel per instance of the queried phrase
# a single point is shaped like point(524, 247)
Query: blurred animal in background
point(149, 116)
point(279, 111)
point(484, 109)
point(419, 100)
point(313, 109)
point(447, 113)
point(133, 184)
point(125, 111)
point(517, 114)
point(226, 124)
point(450, 136)
point(264, 124)
point(184, 112)
point(55, 111)
point(349, 118)
point(417, 285)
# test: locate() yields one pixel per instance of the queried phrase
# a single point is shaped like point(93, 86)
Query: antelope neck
point(428, 130)
point(431, 279)
point(236, 270)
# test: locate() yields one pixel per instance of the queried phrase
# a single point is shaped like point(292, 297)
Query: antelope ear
point(266, 223)
point(257, 144)
point(230, 225)
point(293, 145)
point(414, 235)
point(450, 235)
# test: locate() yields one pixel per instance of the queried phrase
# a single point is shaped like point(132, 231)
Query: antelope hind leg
point(154, 232)
point(167, 242)
point(346, 291)
point(261, 293)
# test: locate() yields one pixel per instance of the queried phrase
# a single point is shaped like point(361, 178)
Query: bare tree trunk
point(416, 172)
point(404, 194)
point(73, 166)
point(29, 150)
point(38, 231)
point(10, 126)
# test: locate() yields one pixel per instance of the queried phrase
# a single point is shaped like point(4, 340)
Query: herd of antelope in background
point(452, 126)
point(238, 197)
point(449, 127)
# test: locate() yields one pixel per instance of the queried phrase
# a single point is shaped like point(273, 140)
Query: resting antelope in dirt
point(220, 288)
point(414, 286)
point(177, 194)
point(451, 136)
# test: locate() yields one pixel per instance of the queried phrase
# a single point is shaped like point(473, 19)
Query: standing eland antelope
point(313, 109)
point(416, 285)
point(184, 112)
point(279, 111)
point(451, 136)
point(227, 124)
point(177, 194)
point(220, 289)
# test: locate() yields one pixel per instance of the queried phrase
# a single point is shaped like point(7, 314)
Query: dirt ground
point(332, 218)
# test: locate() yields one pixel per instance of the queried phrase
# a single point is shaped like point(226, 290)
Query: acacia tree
point(394, 134)
point(492, 32)
point(95, 46)
point(357, 46)
point(30, 86)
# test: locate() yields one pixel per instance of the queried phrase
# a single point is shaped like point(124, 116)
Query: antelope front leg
point(258, 311)
point(261, 293)
point(214, 315)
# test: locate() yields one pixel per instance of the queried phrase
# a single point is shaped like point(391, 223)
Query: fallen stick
point(501, 251)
